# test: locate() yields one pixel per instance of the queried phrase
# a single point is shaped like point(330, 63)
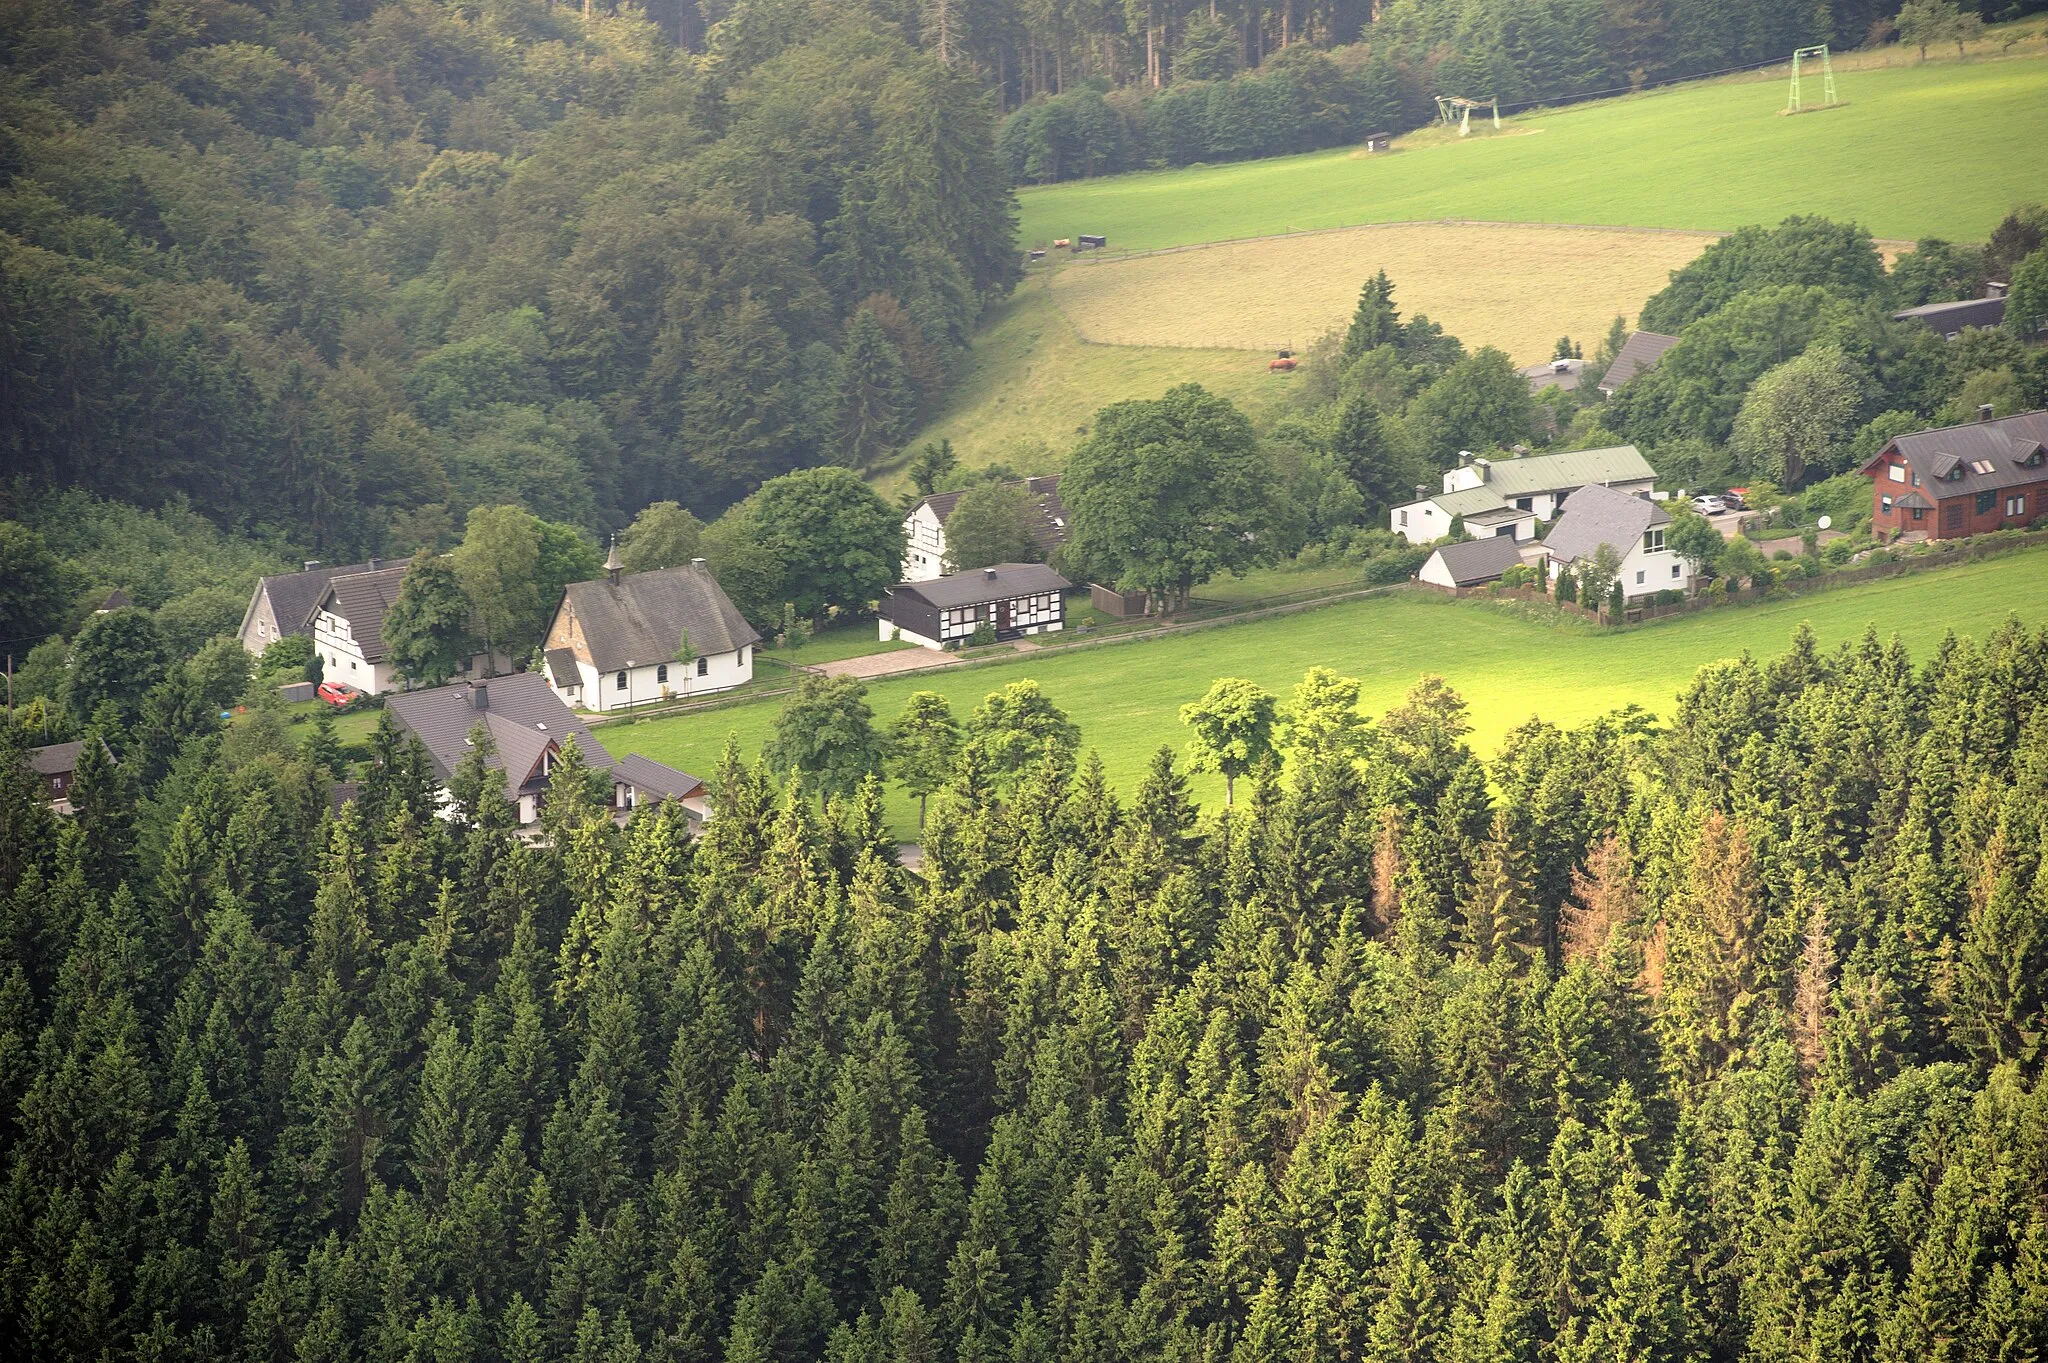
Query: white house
point(1634, 525)
point(1508, 496)
point(1012, 599)
point(618, 641)
point(347, 624)
point(924, 529)
point(282, 603)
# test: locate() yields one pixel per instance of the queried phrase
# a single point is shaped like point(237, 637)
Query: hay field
point(1517, 288)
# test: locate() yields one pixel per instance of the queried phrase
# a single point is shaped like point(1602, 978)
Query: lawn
point(1938, 149)
point(1515, 288)
point(1126, 698)
point(1034, 387)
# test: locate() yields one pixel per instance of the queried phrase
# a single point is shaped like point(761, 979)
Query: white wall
point(341, 658)
point(1654, 566)
point(924, 552)
point(1419, 522)
point(722, 672)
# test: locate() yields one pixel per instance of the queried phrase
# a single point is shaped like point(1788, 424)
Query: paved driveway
point(887, 664)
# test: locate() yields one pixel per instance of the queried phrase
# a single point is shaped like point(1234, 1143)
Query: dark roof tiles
point(1638, 355)
point(362, 599)
point(998, 583)
point(1983, 456)
point(641, 618)
point(1598, 515)
point(522, 714)
point(1483, 560)
point(294, 595)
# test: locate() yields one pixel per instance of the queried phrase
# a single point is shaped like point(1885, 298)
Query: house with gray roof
point(924, 529)
point(1507, 497)
point(1961, 480)
point(281, 604)
point(1639, 354)
point(528, 727)
point(347, 625)
point(1013, 599)
point(1950, 319)
point(1630, 523)
point(620, 641)
point(1471, 563)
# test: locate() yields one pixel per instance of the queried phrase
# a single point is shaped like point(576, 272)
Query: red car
point(338, 693)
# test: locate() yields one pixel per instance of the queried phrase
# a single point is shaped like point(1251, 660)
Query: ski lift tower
point(1451, 109)
point(1807, 56)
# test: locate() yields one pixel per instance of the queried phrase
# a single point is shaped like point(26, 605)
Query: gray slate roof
point(1982, 313)
point(293, 596)
point(1471, 561)
point(644, 773)
point(562, 667)
point(977, 586)
point(2004, 444)
point(1638, 355)
point(522, 714)
point(362, 599)
point(1048, 530)
point(643, 617)
point(55, 759)
point(1598, 515)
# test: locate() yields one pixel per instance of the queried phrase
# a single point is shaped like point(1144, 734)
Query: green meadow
point(1943, 149)
point(1508, 663)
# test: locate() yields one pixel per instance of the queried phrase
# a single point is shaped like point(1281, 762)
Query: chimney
point(1485, 467)
point(612, 566)
point(375, 563)
point(1994, 289)
point(1464, 459)
point(988, 574)
point(1421, 491)
point(479, 697)
point(313, 564)
point(1983, 411)
point(698, 564)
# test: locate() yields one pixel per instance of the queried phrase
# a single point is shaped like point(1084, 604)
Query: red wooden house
point(1961, 480)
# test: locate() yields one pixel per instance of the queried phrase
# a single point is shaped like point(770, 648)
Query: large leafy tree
point(1233, 730)
point(1481, 403)
point(1839, 257)
point(1798, 417)
point(817, 538)
point(663, 535)
point(1016, 728)
point(826, 732)
point(31, 592)
point(115, 660)
point(924, 746)
point(498, 562)
point(992, 524)
point(426, 631)
point(1165, 494)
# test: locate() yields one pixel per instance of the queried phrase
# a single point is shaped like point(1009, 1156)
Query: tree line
point(1711, 1039)
point(337, 275)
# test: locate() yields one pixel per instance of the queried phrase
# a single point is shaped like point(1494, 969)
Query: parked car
point(338, 693)
point(1737, 498)
point(1709, 506)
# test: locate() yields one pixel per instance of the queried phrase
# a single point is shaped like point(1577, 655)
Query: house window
point(1524, 504)
point(620, 683)
point(743, 655)
point(2016, 506)
point(1887, 503)
point(1639, 579)
point(1919, 513)
point(1916, 480)
point(703, 667)
point(1985, 501)
point(661, 672)
point(1674, 570)
point(1653, 541)
point(1898, 472)
point(1404, 518)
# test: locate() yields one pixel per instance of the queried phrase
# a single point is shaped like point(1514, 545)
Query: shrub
point(1782, 555)
point(1670, 596)
point(984, 633)
point(1397, 565)
point(1837, 553)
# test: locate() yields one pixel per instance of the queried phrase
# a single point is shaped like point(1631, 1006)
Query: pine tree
point(1375, 321)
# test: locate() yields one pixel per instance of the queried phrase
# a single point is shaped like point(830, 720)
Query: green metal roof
point(1574, 468)
point(1469, 502)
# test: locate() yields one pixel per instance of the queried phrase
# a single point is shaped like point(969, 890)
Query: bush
point(1782, 555)
point(1395, 565)
point(984, 633)
point(1837, 553)
point(1669, 597)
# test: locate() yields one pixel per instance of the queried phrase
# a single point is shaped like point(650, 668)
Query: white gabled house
point(1634, 525)
point(347, 625)
point(1509, 496)
point(281, 603)
point(618, 641)
point(924, 529)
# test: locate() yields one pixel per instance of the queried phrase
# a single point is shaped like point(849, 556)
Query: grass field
point(1509, 666)
point(1035, 386)
point(1940, 149)
point(1513, 287)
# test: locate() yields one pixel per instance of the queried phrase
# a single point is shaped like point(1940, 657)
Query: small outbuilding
point(1950, 319)
point(1378, 142)
point(1013, 598)
point(1471, 563)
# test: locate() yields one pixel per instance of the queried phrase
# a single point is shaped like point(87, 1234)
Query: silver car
point(1709, 506)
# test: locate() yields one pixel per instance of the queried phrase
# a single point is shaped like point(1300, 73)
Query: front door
point(1002, 617)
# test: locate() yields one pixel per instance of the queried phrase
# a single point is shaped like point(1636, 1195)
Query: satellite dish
point(1825, 522)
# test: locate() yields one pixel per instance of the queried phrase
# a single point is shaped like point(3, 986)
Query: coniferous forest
point(1713, 1040)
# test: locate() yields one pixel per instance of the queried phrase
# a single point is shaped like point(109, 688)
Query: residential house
point(1507, 497)
point(1634, 525)
point(1471, 563)
point(1639, 354)
point(55, 765)
point(115, 600)
point(618, 641)
point(347, 623)
point(1961, 480)
point(528, 724)
point(1949, 319)
point(924, 529)
point(281, 604)
point(1560, 374)
point(1013, 598)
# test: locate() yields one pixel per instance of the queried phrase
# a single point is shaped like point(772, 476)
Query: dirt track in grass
point(1514, 287)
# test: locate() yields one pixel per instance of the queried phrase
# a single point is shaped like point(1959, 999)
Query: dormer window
point(1976, 466)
